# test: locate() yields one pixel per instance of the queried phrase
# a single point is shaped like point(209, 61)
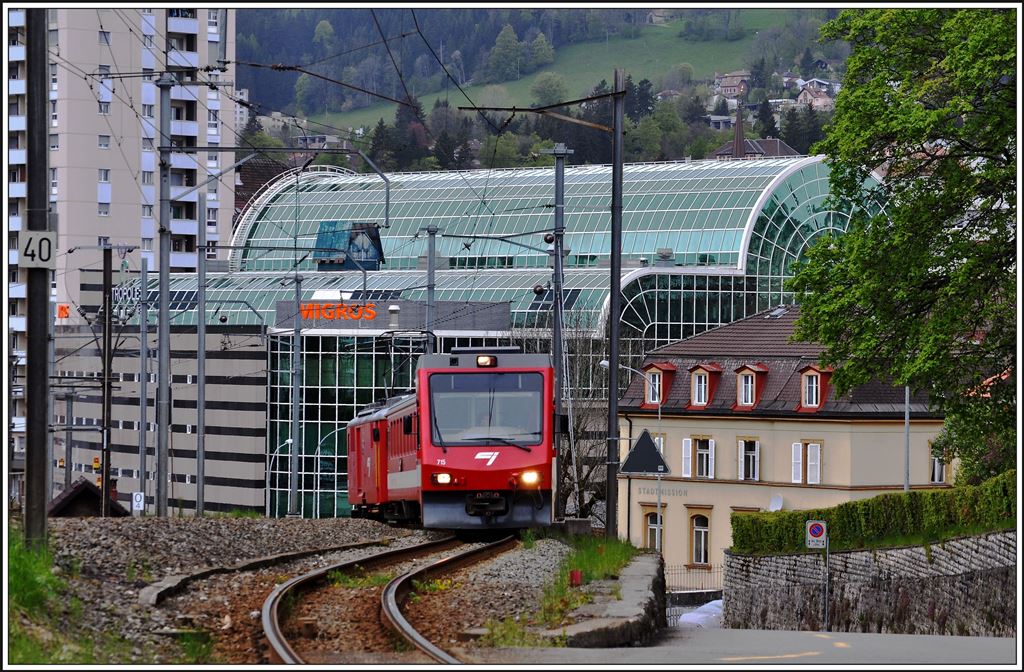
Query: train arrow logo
point(489, 456)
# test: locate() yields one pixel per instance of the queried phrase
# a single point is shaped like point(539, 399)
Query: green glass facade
point(703, 244)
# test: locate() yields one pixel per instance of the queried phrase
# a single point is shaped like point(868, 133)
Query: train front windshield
point(486, 409)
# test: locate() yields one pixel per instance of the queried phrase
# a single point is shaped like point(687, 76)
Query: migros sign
point(337, 311)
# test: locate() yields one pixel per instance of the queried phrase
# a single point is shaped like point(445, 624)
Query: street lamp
point(316, 473)
point(270, 468)
point(650, 381)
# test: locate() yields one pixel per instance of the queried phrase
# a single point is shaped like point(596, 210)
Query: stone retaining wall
point(965, 586)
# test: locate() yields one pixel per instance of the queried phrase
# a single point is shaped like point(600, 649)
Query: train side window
point(376, 433)
point(407, 424)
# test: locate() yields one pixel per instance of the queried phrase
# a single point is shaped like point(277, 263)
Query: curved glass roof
point(700, 211)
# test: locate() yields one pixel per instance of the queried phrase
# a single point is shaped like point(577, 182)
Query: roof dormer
point(658, 377)
point(704, 380)
point(814, 388)
point(750, 383)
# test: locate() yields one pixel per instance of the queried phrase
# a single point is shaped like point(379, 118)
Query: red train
point(471, 448)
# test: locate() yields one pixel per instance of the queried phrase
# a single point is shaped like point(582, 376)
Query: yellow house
point(749, 421)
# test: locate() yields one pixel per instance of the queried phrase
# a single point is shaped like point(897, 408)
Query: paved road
point(705, 646)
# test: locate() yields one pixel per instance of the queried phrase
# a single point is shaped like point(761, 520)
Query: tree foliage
point(924, 288)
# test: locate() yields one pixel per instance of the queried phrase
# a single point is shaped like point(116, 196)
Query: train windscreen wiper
point(500, 439)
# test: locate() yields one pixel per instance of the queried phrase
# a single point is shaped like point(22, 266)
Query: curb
point(152, 594)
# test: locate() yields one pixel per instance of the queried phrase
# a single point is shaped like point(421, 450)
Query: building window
point(746, 388)
point(53, 76)
point(147, 144)
point(103, 241)
point(53, 180)
point(145, 11)
point(212, 19)
point(104, 108)
point(103, 70)
point(147, 110)
point(103, 209)
point(700, 389)
point(103, 141)
point(807, 462)
point(812, 388)
point(51, 37)
point(699, 450)
point(53, 113)
point(700, 534)
point(211, 249)
point(653, 526)
point(212, 120)
point(103, 174)
point(147, 41)
point(211, 220)
point(212, 157)
point(749, 460)
point(147, 177)
point(938, 470)
point(105, 37)
point(147, 74)
point(54, 141)
point(654, 387)
point(212, 188)
point(147, 244)
point(659, 441)
point(147, 210)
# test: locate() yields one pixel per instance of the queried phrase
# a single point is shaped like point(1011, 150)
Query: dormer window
point(700, 389)
point(654, 387)
point(746, 389)
point(812, 390)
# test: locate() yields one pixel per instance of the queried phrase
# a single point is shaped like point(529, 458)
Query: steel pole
point(108, 255)
point(143, 373)
point(293, 479)
point(51, 358)
point(69, 400)
point(163, 397)
point(201, 358)
point(37, 375)
point(558, 347)
point(906, 438)
point(614, 312)
point(431, 264)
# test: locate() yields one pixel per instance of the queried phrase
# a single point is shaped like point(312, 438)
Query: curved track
point(396, 593)
point(280, 650)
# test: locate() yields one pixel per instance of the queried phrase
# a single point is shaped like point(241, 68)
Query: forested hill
point(476, 45)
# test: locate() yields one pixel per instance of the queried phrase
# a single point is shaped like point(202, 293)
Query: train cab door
point(380, 459)
point(367, 469)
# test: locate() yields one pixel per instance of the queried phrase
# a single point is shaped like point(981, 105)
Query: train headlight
point(486, 360)
point(442, 479)
point(530, 478)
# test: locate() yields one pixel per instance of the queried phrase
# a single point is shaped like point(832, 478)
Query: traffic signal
point(60, 463)
point(95, 464)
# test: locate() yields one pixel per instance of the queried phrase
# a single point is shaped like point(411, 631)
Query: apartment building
point(103, 137)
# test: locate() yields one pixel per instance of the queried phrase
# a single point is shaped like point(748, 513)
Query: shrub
point(932, 514)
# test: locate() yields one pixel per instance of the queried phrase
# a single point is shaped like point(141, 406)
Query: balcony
point(16, 122)
point(16, 87)
point(16, 290)
point(14, 223)
point(20, 359)
point(17, 190)
point(17, 157)
point(183, 59)
point(176, 194)
point(188, 128)
point(178, 24)
point(184, 227)
point(180, 259)
point(183, 160)
point(188, 92)
point(16, 18)
point(17, 323)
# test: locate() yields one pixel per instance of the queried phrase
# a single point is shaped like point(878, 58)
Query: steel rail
point(398, 590)
point(280, 651)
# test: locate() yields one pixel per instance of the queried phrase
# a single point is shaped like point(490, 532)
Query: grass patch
point(244, 513)
point(421, 588)
point(340, 579)
point(32, 586)
point(509, 632)
point(197, 648)
point(528, 537)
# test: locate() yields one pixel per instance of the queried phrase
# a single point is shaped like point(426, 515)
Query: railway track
point(392, 599)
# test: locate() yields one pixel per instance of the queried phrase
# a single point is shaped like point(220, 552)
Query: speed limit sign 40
point(817, 533)
point(38, 250)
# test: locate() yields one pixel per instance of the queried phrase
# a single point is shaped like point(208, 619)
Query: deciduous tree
point(923, 289)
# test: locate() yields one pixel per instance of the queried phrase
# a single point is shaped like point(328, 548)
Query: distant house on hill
point(816, 98)
point(743, 149)
point(735, 84)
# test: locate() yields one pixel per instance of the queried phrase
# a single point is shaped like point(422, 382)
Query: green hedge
point(861, 523)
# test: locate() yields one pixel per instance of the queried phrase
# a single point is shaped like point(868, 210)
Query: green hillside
point(650, 55)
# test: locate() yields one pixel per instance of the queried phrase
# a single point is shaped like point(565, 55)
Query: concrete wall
point(965, 586)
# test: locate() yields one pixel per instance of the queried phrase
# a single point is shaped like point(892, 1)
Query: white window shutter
point(711, 458)
point(739, 470)
point(757, 460)
point(814, 463)
point(687, 448)
point(797, 450)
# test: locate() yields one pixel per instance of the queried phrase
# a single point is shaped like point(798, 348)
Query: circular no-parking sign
point(817, 533)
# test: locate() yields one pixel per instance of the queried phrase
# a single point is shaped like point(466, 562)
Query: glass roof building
point(703, 244)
